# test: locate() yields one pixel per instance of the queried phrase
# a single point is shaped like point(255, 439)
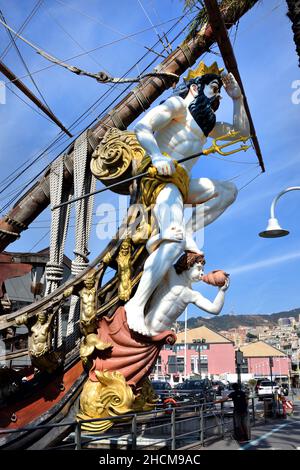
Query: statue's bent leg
point(168, 211)
point(212, 198)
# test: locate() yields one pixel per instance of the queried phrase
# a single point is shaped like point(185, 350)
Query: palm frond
point(201, 17)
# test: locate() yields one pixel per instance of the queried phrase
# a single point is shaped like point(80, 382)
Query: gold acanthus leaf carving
point(114, 155)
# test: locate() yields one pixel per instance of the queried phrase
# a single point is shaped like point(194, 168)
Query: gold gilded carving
point(113, 157)
point(110, 396)
point(124, 270)
point(68, 292)
point(203, 69)
point(107, 258)
point(88, 346)
point(88, 304)
point(146, 398)
point(152, 184)
point(39, 340)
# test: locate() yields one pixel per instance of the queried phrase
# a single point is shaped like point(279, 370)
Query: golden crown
point(202, 69)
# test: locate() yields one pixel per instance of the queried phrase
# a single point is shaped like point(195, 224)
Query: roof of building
point(40, 258)
point(261, 349)
point(202, 332)
point(18, 289)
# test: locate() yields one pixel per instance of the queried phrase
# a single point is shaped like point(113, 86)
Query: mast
point(231, 65)
point(24, 89)
point(121, 116)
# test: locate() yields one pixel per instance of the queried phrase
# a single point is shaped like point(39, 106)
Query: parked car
point(198, 390)
point(167, 398)
point(218, 387)
point(178, 386)
point(258, 382)
point(266, 388)
point(161, 386)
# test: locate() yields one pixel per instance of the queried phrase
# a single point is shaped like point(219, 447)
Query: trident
point(214, 148)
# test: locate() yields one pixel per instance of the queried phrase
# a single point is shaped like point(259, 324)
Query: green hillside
point(225, 322)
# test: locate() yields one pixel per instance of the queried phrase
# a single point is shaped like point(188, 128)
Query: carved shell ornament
point(216, 278)
point(113, 158)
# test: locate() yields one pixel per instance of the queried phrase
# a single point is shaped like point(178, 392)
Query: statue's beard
point(202, 111)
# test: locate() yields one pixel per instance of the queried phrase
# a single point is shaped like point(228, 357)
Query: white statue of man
point(179, 128)
point(175, 292)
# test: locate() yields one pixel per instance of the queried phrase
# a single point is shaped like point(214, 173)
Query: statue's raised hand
point(231, 86)
point(226, 285)
point(164, 165)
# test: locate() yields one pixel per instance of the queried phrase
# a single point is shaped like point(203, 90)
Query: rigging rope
point(22, 27)
point(99, 76)
point(29, 105)
point(78, 120)
point(83, 180)
point(59, 228)
point(23, 62)
point(37, 49)
point(81, 118)
point(73, 39)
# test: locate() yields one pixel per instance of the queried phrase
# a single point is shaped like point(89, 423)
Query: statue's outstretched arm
point(202, 302)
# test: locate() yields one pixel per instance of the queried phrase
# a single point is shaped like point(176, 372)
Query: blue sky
point(264, 273)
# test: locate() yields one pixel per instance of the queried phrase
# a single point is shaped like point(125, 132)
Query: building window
point(175, 364)
point(203, 366)
point(172, 365)
point(180, 364)
point(193, 363)
point(157, 368)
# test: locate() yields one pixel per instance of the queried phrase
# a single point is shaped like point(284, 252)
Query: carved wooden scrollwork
point(116, 157)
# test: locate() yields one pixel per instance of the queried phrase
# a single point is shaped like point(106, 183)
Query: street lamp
point(273, 229)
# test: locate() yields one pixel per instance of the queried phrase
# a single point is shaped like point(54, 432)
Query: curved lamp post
point(273, 229)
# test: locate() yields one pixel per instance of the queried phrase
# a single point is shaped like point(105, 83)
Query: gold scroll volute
point(115, 157)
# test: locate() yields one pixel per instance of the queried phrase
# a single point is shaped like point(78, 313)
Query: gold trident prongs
point(218, 148)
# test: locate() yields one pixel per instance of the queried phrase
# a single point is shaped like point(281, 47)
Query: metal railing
point(171, 427)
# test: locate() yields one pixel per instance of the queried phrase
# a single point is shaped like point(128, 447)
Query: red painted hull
point(27, 411)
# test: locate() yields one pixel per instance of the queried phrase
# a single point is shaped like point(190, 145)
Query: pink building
point(189, 356)
point(258, 354)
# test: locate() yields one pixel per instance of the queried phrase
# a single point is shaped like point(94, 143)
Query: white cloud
point(265, 263)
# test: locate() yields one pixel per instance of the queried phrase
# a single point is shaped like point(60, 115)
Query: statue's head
point(89, 281)
point(42, 316)
point(203, 85)
point(192, 263)
point(125, 248)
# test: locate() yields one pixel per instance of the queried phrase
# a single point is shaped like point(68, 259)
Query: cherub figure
point(40, 331)
point(174, 294)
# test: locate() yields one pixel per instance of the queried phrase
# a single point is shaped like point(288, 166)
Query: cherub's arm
point(22, 319)
point(214, 307)
point(156, 119)
point(240, 120)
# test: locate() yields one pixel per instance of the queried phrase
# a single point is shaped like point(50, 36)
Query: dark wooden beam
point(218, 26)
point(23, 88)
